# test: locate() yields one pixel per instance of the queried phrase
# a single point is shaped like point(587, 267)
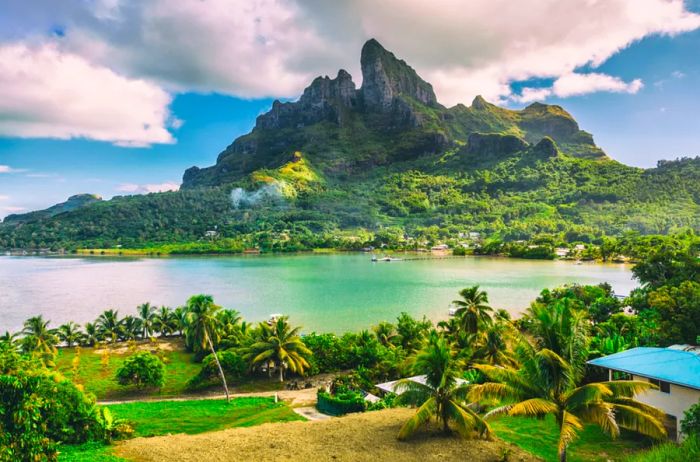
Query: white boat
point(452, 311)
point(385, 258)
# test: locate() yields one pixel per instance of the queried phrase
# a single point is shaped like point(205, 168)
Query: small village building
point(674, 370)
point(561, 251)
point(391, 387)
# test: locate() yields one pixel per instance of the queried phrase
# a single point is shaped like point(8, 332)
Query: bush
point(38, 409)
point(690, 425)
point(233, 364)
point(143, 369)
point(340, 404)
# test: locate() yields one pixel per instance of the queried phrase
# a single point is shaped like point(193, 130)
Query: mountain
point(73, 203)
point(344, 165)
point(395, 116)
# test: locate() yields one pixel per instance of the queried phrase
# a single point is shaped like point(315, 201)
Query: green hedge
point(340, 404)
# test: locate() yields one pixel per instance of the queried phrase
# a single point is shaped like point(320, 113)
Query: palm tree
point(492, 346)
point(131, 327)
point(442, 396)
point(146, 314)
point(109, 324)
point(231, 328)
point(69, 333)
point(180, 316)
point(9, 339)
point(561, 327)
point(164, 321)
point(386, 333)
point(202, 329)
point(38, 338)
point(473, 309)
point(92, 334)
point(545, 384)
point(281, 345)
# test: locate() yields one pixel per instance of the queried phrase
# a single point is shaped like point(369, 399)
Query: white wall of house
point(674, 403)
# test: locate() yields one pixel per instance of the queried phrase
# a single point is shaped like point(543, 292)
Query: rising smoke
point(267, 195)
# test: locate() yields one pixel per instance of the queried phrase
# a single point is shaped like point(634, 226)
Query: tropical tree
point(473, 309)
point(386, 333)
point(9, 339)
point(281, 345)
point(146, 313)
point(38, 338)
point(69, 333)
point(492, 346)
point(545, 384)
point(92, 334)
point(164, 321)
point(109, 324)
point(180, 319)
point(130, 328)
point(202, 329)
point(442, 396)
point(231, 328)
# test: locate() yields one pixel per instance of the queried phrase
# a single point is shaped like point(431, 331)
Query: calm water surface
point(321, 292)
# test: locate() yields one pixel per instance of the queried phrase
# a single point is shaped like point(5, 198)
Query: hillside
point(387, 158)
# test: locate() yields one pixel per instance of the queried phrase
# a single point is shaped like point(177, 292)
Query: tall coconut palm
point(164, 321)
point(231, 328)
point(202, 329)
point(386, 333)
point(280, 344)
point(492, 345)
point(146, 313)
point(473, 309)
point(92, 334)
point(109, 324)
point(442, 396)
point(560, 326)
point(38, 338)
point(545, 385)
point(10, 340)
point(69, 333)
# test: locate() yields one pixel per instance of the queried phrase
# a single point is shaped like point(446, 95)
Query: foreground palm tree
point(202, 329)
point(146, 313)
point(281, 345)
point(473, 310)
point(38, 338)
point(545, 385)
point(441, 396)
point(109, 324)
point(69, 333)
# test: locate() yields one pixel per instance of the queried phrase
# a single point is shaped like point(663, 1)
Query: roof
point(668, 364)
point(390, 387)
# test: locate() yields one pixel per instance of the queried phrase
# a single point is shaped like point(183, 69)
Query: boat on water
point(385, 258)
point(452, 311)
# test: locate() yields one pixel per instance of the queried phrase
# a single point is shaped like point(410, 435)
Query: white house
point(675, 370)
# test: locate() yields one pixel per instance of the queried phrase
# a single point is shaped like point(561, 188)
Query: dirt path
point(295, 398)
point(369, 436)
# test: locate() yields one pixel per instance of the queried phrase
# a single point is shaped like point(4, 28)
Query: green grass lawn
point(540, 437)
point(197, 416)
point(99, 379)
point(193, 416)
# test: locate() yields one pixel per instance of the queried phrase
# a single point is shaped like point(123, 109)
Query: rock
point(546, 148)
point(385, 77)
point(494, 144)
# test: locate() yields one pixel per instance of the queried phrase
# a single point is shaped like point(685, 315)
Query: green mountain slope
point(387, 157)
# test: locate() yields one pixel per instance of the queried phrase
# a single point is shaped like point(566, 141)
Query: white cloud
point(4, 198)
point(46, 92)
point(575, 84)
point(5, 169)
point(134, 188)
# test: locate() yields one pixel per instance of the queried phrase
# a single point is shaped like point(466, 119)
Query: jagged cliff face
point(393, 117)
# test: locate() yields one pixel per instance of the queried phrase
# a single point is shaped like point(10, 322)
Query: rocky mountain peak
point(385, 77)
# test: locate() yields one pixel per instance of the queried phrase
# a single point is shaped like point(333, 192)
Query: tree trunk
point(281, 367)
point(562, 455)
point(218, 364)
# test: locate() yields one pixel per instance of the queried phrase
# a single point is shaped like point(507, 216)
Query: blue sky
point(89, 102)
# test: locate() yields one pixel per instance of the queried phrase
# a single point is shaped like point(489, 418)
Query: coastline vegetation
point(533, 366)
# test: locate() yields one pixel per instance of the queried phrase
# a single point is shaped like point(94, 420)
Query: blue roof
point(670, 365)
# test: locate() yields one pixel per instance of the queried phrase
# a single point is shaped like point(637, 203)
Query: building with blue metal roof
point(674, 370)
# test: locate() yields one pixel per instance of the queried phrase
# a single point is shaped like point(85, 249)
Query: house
point(474, 235)
point(439, 248)
point(211, 233)
point(579, 247)
point(674, 370)
point(561, 251)
point(390, 387)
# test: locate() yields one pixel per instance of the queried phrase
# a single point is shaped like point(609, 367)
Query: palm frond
point(586, 394)
point(635, 419)
point(570, 427)
point(466, 420)
point(601, 414)
point(535, 407)
point(422, 415)
point(628, 388)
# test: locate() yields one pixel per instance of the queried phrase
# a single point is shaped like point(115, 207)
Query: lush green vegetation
point(670, 452)
point(197, 416)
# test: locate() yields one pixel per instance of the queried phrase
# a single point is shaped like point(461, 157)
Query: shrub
point(690, 425)
point(143, 369)
point(233, 364)
point(340, 404)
